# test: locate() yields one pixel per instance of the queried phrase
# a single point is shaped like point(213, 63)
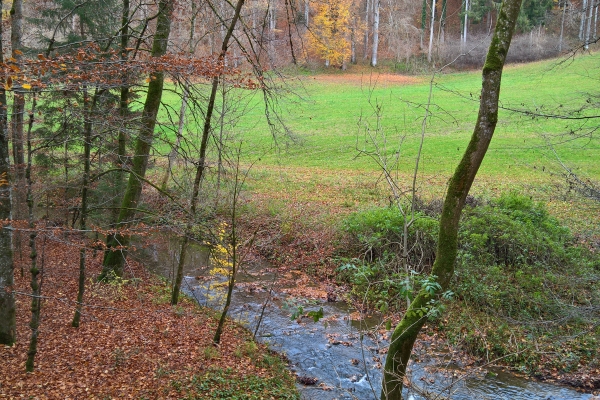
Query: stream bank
point(336, 357)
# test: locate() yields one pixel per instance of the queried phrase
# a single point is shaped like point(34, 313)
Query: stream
point(335, 354)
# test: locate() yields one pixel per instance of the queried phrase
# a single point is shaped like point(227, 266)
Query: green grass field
point(320, 161)
point(325, 117)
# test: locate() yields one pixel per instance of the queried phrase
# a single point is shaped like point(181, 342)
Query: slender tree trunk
point(588, 30)
point(306, 13)
point(595, 22)
point(121, 160)
point(376, 8)
point(16, 24)
point(272, 25)
point(36, 302)
point(466, 22)
point(87, 145)
point(353, 40)
point(235, 258)
point(443, 22)
point(114, 256)
point(18, 111)
point(431, 31)
point(582, 22)
point(366, 37)
point(7, 300)
point(562, 26)
point(405, 334)
point(423, 22)
point(202, 158)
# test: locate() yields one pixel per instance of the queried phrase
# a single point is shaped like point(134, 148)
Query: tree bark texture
point(36, 289)
point(407, 330)
point(114, 257)
point(7, 300)
point(16, 25)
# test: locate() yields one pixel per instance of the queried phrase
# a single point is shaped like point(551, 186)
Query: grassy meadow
point(331, 119)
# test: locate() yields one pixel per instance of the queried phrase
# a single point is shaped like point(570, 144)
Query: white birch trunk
point(582, 24)
point(431, 30)
point(466, 22)
point(376, 7)
point(306, 13)
point(588, 30)
point(366, 38)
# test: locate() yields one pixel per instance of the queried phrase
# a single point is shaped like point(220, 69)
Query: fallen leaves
point(125, 347)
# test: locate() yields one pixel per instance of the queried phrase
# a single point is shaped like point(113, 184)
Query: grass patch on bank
point(226, 384)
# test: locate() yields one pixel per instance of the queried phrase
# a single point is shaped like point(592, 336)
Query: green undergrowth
point(224, 384)
point(526, 290)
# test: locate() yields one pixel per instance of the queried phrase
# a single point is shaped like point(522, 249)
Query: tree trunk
point(366, 36)
point(466, 23)
point(423, 22)
point(121, 160)
point(353, 41)
point(7, 300)
point(202, 159)
point(562, 26)
point(306, 13)
point(16, 24)
point(588, 29)
point(18, 112)
point(408, 329)
point(443, 22)
point(114, 256)
point(87, 145)
point(582, 22)
point(36, 302)
point(376, 8)
point(431, 31)
point(595, 22)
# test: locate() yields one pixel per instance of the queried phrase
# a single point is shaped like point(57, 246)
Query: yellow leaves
point(329, 38)
point(3, 179)
point(26, 86)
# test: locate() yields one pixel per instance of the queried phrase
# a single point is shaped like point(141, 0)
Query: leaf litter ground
point(131, 343)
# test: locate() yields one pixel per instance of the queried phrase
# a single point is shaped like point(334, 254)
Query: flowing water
point(343, 361)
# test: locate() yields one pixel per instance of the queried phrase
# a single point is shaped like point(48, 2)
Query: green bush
point(378, 234)
point(520, 276)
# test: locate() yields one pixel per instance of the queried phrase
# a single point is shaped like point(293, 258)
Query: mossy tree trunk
point(406, 332)
point(114, 257)
point(7, 300)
